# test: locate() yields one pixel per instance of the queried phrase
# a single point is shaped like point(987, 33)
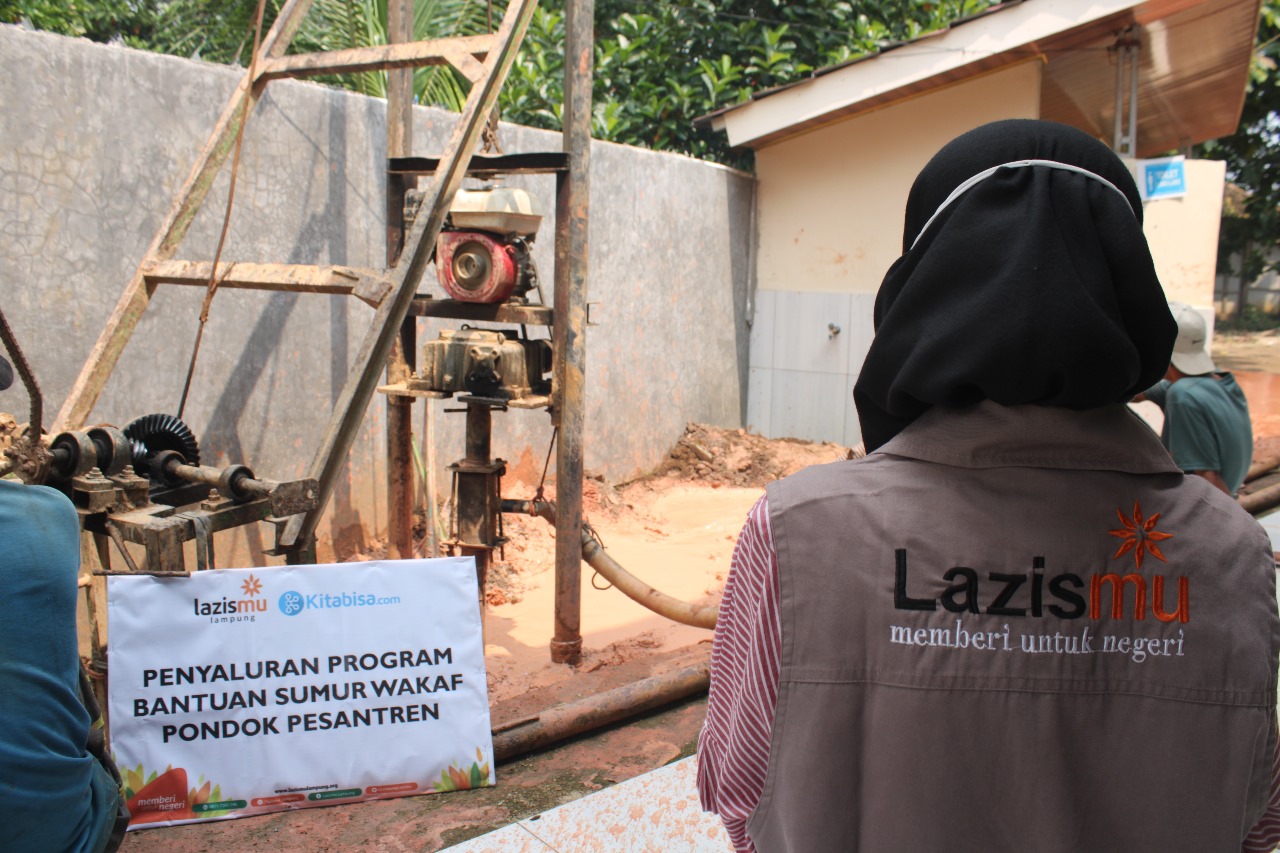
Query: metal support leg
point(572, 202)
point(478, 503)
point(400, 479)
point(1125, 135)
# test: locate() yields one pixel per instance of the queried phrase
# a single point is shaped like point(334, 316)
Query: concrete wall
point(95, 141)
point(1263, 292)
point(830, 212)
point(831, 201)
point(1183, 234)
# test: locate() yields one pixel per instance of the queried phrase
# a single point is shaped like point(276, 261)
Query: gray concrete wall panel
point(96, 140)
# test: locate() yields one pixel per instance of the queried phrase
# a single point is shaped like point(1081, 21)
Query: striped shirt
point(733, 749)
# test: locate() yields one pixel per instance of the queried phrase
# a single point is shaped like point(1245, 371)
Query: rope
point(231, 197)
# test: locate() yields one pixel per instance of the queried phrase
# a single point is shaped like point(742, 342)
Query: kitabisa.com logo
point(291, 603)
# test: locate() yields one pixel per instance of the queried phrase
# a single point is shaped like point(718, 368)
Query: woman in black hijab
point(1025, 278)
point(921, 650)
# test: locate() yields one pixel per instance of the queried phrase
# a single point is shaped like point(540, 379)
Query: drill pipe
point(697, 615)
point(594, 712)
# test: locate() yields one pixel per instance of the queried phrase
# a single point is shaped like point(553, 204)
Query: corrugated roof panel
point(1194, 63)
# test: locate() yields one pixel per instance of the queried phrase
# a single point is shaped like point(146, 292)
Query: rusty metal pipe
point(479, 433)
point(569, 334)
point(400, 480)
point(1265, 465)
point(696, 615)
point(594, 712)
point(1255, 502)
point(242, 482)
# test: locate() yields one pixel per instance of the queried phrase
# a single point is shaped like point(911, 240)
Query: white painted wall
point(1264, 291)
point(1183, 234)
point(831, 202)
point(830, 208)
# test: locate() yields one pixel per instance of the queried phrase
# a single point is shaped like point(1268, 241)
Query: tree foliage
point(1250, 227)
point(132, 22)
point(659, 64)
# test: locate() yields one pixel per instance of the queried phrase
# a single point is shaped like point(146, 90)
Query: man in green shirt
point(1206, 418)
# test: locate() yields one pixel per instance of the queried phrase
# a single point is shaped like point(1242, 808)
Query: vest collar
point(989, 435)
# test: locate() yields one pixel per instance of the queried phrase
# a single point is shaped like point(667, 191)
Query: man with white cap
point(1206, 416)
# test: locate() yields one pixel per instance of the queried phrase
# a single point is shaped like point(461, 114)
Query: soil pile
point(735, 457)
point(705, 456)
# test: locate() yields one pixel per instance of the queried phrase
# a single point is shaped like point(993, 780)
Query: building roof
point(1193, 68)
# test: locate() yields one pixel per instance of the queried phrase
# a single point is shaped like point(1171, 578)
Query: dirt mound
point(735, 457)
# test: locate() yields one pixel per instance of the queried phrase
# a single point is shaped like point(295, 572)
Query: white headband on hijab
point(1015, 164)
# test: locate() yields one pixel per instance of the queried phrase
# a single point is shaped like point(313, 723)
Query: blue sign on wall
point(1163, 177)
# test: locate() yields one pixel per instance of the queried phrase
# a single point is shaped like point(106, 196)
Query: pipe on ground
point(1255, 502)
point(1265, 465)
point(696, 615)
point(584, 715)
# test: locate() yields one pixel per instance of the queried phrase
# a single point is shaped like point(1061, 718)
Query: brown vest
point(975, 659)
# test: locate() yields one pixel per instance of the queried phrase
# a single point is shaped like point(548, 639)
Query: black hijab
point(1035, 285)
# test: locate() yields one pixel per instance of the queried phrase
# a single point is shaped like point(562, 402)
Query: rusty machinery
point(143, 484)
point(484, 262)
point(480, 258)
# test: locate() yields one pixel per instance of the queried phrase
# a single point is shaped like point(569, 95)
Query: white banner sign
point(243, 691)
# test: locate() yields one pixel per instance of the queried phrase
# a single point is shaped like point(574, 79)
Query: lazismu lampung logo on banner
point(245, 608)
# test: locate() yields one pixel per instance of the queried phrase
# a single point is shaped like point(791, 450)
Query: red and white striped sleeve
point(733, 749)
point(1265, 835)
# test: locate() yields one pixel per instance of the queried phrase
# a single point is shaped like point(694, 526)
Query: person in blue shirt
point(55, 795)
point(1206, 417)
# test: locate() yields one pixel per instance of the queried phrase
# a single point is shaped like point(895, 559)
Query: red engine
point(475, 266)
point(483, 252)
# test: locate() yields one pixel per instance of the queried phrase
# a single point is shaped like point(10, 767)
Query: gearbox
point(485, 363)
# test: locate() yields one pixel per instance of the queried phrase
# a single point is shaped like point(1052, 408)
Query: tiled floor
point(654, 813)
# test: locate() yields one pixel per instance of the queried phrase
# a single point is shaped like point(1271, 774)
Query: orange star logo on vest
point(252, 586)
point(1140, 536)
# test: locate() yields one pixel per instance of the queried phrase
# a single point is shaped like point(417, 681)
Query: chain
point(490, 133)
